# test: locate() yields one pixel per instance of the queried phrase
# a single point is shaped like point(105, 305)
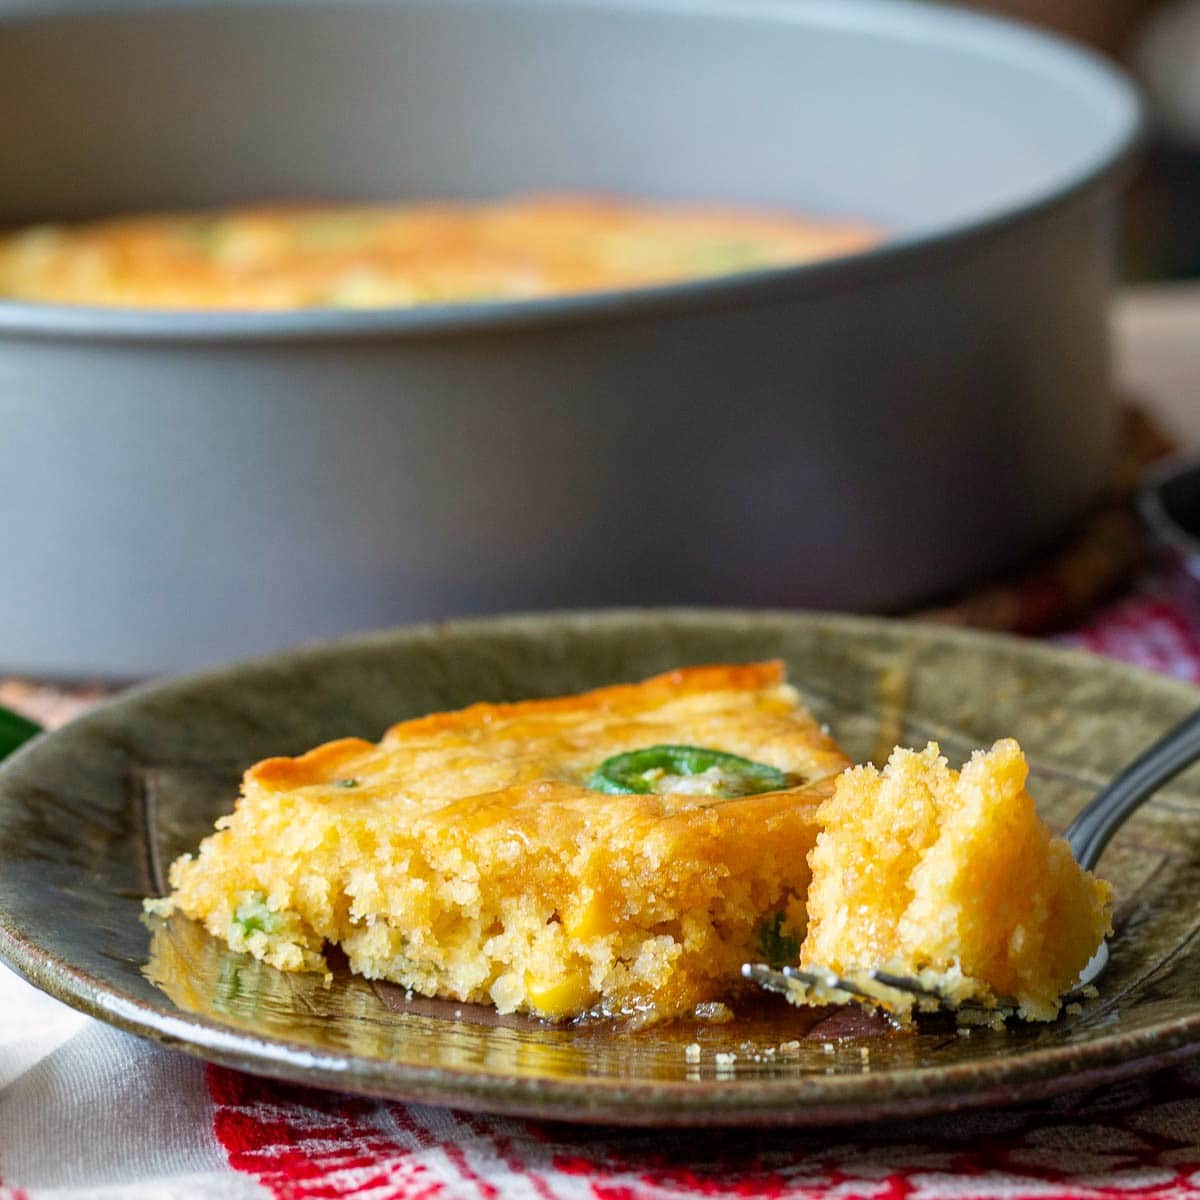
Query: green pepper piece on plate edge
point(15, 731)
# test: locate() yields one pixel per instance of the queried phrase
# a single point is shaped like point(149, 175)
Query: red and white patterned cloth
point(86, 1111)
point(1155, 626)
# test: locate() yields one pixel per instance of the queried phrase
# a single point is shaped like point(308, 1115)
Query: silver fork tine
point(905, 983)
point(825, 979)
point(765, 977)
point(829, 982)
point(780, 979)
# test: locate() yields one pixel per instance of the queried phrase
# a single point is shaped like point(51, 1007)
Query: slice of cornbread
point(466, 856)
point(923, 869)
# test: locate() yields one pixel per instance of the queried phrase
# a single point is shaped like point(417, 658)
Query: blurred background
point(1159, 42)
point(953, 434)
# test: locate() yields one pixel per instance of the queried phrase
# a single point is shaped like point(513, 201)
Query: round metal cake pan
point(864, 433)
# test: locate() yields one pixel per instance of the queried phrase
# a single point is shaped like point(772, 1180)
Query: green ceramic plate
point(90, 815)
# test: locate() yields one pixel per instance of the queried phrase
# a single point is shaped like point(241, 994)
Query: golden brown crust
point(291, 256)
point(312, 764)
point(717, 677)
point(549, 727)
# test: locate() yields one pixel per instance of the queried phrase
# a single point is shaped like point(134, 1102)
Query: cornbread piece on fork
point(950, 877)
point(481, 855)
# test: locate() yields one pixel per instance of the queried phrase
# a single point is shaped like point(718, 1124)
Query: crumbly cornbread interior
point(921, 868)
point(464, 856)
point(292, 256)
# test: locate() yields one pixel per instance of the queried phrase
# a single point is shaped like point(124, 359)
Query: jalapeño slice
point(693, 770)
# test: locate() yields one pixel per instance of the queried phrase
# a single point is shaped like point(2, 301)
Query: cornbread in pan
point(472, 855)
point(922, 870)
point(357, 256)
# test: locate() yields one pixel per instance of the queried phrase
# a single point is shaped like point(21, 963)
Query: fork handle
point(1091, 830)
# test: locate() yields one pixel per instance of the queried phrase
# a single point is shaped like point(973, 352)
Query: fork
point(1087, 836)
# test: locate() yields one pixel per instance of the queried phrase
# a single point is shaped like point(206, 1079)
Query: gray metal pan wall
point(179, 488)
